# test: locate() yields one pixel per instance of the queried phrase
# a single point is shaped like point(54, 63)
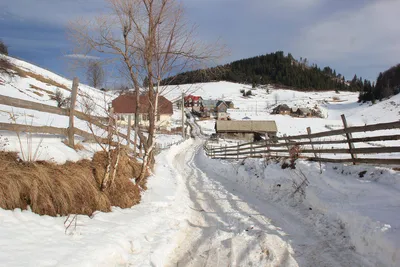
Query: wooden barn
point(247, 130)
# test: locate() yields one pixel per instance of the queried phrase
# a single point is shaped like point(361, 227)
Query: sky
point(352, 36)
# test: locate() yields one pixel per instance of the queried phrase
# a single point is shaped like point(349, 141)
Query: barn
point(247, 130)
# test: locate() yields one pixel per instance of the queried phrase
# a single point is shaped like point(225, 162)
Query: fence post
point(238, 151)
point(349, 136)
point(312, 145)
point(74, 92)
point(225, 151)
point(286, 142)
point(129, 130)
point(251, 150)
point(268, 148)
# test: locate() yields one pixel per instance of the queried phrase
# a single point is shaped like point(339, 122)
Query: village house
point(282, 109)
point(246, 130)
point(221, 110)
point(301, 112)
point(125, 106)
point(209, 108)
point(230, 104)
point(194, 102)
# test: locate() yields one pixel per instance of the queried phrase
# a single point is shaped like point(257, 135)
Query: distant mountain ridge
point(274, 68)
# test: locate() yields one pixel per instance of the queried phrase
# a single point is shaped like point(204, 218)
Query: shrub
point(3, 48)
point(248, 93)
point(6, 67)
point(62, 101)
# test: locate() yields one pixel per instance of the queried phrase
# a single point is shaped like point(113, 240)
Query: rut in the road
point(223, 230)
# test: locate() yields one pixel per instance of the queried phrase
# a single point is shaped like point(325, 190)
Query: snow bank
point(140, 236)
point(357, 213)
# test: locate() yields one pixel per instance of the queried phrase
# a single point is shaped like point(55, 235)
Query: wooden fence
point(313, 145)
point(70, 131)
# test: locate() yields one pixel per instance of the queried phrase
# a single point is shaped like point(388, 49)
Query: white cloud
point(81, 56)
point(369, 35)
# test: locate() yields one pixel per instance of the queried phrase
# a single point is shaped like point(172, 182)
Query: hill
point(387, 85)
point(274, 68)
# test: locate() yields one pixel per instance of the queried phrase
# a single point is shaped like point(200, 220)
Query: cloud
point(82, 57)
point(369, 35)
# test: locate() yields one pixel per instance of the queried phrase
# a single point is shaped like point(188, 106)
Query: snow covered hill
point(35, 84)
point(260, 104)
point(203, 211)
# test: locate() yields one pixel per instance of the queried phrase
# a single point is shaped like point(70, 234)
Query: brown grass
point(6, 67)
point(41, 89)
point(78, 146)
point(36, 93)
point(23, 73)
point(71, 188)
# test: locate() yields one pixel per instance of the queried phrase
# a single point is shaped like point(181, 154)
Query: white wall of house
point(164, 120)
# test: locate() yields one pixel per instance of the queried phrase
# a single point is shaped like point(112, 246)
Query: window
point(145, 117)
point(158, 117)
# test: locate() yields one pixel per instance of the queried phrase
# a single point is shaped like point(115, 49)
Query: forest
point(284, 70)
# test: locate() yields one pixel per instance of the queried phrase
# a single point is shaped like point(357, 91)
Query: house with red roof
point(194, 102)
point(125, 106)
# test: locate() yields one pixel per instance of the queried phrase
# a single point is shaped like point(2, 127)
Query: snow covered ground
point(140, 236)
point(203, 212)
point(349, 214)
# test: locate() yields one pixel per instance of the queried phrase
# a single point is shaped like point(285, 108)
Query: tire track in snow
point(223, 230)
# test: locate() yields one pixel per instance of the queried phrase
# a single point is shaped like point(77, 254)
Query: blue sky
point(352, 36)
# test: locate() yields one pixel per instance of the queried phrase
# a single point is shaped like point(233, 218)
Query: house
point(195, 102)
point(221, 110)
point(301, 112)
point(281, 109)
point(125, 105)
point(247, 130)
point(209, 107)
point(230, 104)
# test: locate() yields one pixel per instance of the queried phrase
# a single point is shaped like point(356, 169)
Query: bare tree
point(148, 38)
point(95, 73)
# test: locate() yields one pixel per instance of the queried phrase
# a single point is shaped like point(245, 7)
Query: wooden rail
point(52, 130)
point(312, 148)
point(19, 103)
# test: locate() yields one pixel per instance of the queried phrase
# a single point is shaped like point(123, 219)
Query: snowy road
point(230, 227)
point(224, 230)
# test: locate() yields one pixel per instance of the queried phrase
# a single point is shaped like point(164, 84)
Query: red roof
point(193, 98)
point(126, 104)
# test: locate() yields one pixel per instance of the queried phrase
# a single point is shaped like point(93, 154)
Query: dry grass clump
point(23, 73)
point(41, 89)
point(6, 67)
point(36, 93)
point(122, 192)
point(71, 188)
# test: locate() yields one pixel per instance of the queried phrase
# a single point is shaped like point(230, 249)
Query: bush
point(248, 93)
point(62, 101)
point(6, 67)
point(3, 48)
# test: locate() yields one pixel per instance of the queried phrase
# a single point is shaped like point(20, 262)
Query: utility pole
point(183, 114)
